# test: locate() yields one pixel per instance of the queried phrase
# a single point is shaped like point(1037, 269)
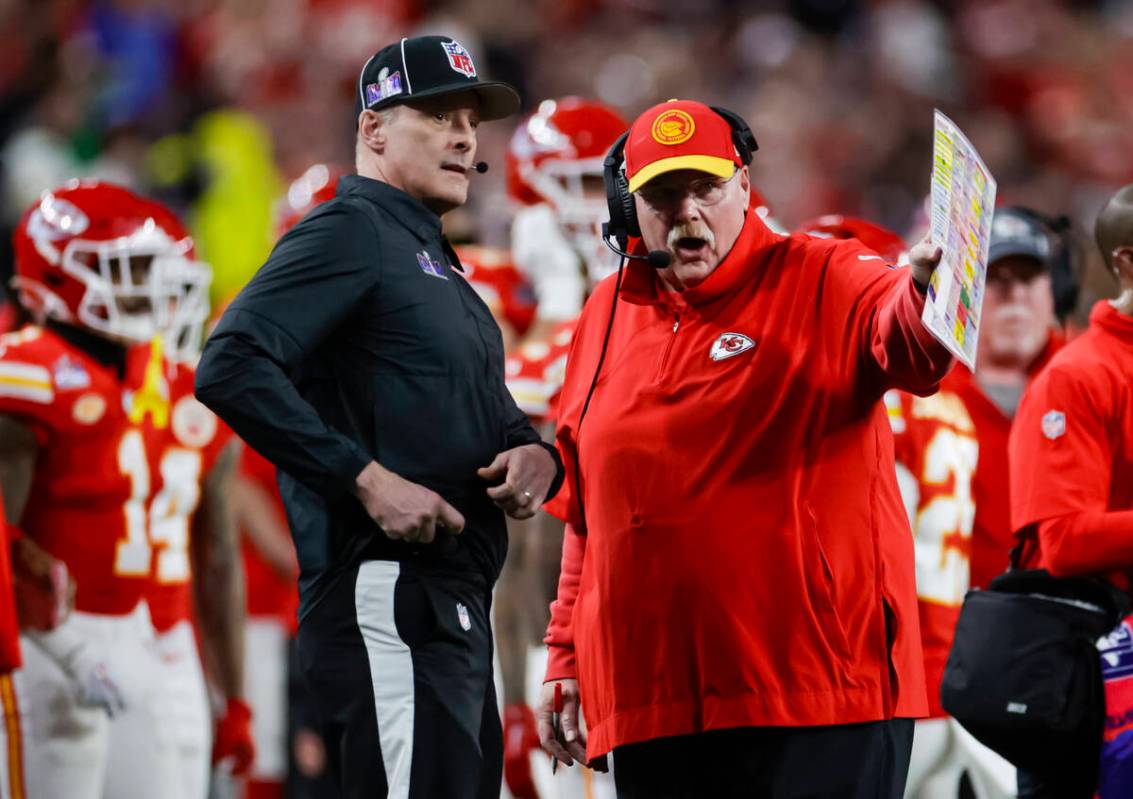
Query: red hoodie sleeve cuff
point(560, 664)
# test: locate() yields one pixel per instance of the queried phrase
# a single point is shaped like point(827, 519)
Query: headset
point(619, 201)
point(623, 224)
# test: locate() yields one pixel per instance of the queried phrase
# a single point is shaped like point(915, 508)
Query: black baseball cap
point(429, 66)
point(1019, 231)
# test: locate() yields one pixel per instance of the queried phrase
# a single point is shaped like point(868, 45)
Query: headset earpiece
point(619, 201)
point(742, 137)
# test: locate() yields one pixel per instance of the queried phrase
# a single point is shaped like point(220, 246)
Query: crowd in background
point(213, 106)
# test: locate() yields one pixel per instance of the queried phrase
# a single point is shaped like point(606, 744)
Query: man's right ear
point(371, 129)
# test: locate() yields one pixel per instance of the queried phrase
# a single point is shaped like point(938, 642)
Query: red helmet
point(98, 255)
point(314, 187)
point(555, 148)
point(881, 240)
point(554, 170)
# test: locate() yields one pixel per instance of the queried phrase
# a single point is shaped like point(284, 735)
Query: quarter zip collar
point(408, 211)
point(643, 286)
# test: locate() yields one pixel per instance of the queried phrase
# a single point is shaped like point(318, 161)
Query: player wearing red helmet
point(554, 176)
point(104, 451)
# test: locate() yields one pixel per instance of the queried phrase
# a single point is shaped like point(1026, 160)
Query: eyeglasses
point(705, 191)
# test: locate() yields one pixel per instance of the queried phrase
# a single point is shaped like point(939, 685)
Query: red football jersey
point(534, 373)
point(501, 286)
point(992, 536)
point(936, 450)
point(195, 435)
point(112, 494)
point(9, 624)
point(266, 592)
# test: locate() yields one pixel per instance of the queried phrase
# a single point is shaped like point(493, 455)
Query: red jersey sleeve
point(27, 388)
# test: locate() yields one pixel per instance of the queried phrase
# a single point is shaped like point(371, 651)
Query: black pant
point(851, 761)
point(399, 661)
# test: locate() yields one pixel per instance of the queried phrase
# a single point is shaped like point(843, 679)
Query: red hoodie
point(746, 546)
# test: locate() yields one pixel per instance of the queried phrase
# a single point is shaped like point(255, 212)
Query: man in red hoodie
point(737, 591)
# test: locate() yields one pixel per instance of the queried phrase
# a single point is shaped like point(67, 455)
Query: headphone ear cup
point(742, 137)
point(619, 202)
point(629, 207)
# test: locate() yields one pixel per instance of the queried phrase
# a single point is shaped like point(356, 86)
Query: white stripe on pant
point(391, 669)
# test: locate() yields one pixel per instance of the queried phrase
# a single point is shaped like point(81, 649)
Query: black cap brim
point(497, 100)
point(1023, 247)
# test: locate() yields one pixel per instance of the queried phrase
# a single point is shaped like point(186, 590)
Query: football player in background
point(554, 178)
point(103, 465)
point(208, 587)
point(1032, 286)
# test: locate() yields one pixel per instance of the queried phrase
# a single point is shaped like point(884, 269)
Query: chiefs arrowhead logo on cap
point(673, 127)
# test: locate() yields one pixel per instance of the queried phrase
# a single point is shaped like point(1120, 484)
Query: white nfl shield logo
point(1054, 424)
point(462, 615)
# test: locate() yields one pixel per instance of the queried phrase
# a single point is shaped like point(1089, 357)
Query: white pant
point(942, 751)
point(265, 686)
point(77, 752)
point(187, 713)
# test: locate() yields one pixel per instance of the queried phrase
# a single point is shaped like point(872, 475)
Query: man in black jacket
point(370, 373)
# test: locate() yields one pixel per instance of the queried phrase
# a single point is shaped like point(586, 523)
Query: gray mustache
point(693, 230)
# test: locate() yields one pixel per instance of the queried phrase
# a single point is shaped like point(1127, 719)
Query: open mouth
point(457, 168)
point(689, 245)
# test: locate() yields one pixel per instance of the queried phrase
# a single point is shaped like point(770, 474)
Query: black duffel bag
point(1024, 675)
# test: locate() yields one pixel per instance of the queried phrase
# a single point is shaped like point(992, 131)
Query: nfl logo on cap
point(459, 58)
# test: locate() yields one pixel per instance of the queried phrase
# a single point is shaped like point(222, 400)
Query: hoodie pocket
point(820, 587)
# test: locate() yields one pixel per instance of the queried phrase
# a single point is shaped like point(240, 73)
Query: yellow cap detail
point(720, 167)
point(673, 127)
point(153, 396)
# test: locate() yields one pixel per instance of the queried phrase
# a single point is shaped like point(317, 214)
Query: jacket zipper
point(668, 348)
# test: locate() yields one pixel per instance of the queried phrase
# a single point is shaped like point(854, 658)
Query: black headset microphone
point(481, 166)
point(622, 225)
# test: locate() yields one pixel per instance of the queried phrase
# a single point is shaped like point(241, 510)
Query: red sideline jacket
point(1072, 455)
point(747, 558)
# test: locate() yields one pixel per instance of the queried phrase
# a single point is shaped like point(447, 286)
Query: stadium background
point(215, 105)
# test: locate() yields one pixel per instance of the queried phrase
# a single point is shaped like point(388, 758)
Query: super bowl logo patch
point(70, 374)
point(730, 345)
point(462, 617)
point(430, 266)
point(388, 85)
point(459, 58)
point(673, 127)
point(1054, 424)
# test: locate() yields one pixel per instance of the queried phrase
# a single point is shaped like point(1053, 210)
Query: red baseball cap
point(679, 134)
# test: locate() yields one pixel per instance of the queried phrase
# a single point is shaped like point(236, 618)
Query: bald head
point(1114, 229)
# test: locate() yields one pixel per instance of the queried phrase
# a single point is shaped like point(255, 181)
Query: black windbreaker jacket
point(355, 342)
